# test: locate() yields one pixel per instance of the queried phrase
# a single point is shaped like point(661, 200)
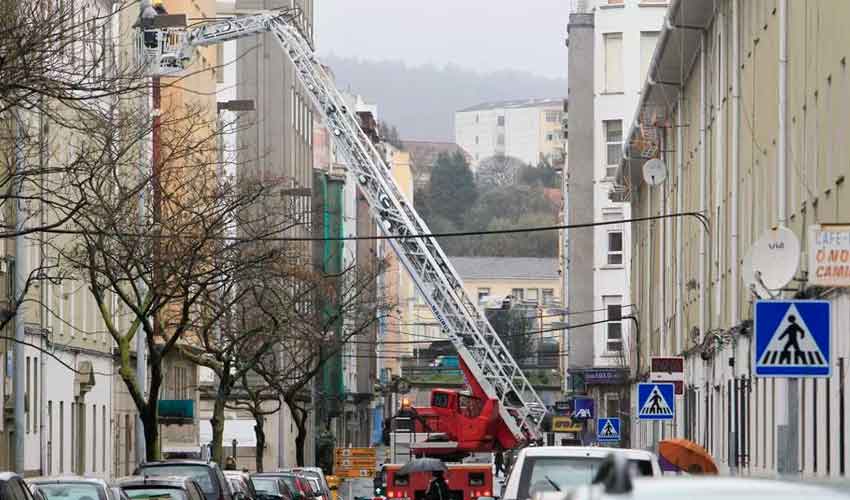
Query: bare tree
point(498, 171)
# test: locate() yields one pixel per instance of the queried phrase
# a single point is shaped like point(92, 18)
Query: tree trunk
point(261, 441)
point(300, 418)
point(217, 420)
point(151, 428)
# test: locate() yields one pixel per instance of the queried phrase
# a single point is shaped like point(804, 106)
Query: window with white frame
point(500, 140)
point(613, 43)
point(553, 116)
point(613, 146)
point(518, 294)
point(548, 296)
point(614, 323)
point(615, 248)
point(482, 294)
point(531, 295)
point(500, 121)
point(648, 40)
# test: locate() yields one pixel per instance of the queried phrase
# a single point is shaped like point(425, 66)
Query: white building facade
point(624, 37)
point(529, 130)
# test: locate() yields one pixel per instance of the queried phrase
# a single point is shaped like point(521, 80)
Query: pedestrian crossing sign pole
point(792, 338)
point(608, 430)
point(656, 401)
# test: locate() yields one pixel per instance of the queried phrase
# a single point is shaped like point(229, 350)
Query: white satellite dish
point(776, 257)
point(654, 172)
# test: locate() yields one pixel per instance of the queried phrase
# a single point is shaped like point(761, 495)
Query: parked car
point(241, 485)
point(13, 487)
point(207, 474)
point(74, 488)
point(296, 482)
point(270, 487)
point(161, 488)
point(559, 468)
point(317, 474)
point(615, 481)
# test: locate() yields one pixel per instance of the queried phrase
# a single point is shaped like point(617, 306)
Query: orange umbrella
point(687, 456)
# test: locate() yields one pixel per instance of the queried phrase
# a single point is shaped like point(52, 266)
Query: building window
point(27, 394)
point(613, 145)
point(518, 294)
point(61, 437)
point(613, 62)
point(648, 40)
point(500, 121)
point(548, 296)
point(500, 140)
point(615, 2)
point(614, 326)
point(612, 404)
point(615, 248)
point(531, 295)
point(476, 118)
point(553, 116)
point(482, 294)
point(476, 139)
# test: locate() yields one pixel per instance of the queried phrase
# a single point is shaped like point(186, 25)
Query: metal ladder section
point(464, 323)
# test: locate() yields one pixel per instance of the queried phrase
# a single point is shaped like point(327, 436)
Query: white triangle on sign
point(792, 344)
point(608, 430)
point(655, 404)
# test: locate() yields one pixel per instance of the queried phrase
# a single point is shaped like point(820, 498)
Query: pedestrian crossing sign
point(608, 430)
point(656, 401)
point(792, 338)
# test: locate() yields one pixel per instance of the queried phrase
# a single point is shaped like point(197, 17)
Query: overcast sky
point(481, 35)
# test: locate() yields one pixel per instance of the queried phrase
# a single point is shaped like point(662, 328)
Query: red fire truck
point(466, 482)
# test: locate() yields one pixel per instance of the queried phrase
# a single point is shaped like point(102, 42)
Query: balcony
point(176, 411)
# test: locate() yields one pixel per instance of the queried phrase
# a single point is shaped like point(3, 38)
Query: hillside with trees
point(505, 194)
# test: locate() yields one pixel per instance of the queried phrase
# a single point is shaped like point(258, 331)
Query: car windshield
point(71, 491)
point(156, 494)
point(266, 485)
point(541, 474)
point(200, 473)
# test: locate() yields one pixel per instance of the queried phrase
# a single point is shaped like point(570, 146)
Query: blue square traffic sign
point(792, 338)
point(608, 430)
point(656, 401)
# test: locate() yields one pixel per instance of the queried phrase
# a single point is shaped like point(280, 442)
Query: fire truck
point(501, 410)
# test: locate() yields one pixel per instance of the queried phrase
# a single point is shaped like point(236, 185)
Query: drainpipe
point(680, 272)
point(735, 307)
point(703, 195)
point(719, 177)
point(20, 313)
point(787, 432)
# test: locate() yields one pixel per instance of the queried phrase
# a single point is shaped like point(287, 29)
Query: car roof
point(585, 451)
point(178, 461)
point(5, 476)
point(158, 481)
point(67, 479)
point(717, 487)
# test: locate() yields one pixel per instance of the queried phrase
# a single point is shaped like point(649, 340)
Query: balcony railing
point(176, 410)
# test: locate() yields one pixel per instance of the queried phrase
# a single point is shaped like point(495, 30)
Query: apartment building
point(610, 45)
point(740, 95)
point(530, 130)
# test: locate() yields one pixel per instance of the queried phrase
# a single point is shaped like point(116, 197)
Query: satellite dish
point(775, 258)
point(654, 172)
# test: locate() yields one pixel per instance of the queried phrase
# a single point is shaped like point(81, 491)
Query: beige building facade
point(729, 118)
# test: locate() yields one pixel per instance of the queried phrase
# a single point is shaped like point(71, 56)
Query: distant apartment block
point(530, 130)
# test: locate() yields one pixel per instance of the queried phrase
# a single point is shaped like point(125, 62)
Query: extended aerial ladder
point(489, 367)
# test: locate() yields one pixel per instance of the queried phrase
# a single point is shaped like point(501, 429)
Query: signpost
point(355, 462)
point(608, 430)
point(829, 255)
point(669, 369)
point(565, 424)
point(792, 338)
point(582, 408)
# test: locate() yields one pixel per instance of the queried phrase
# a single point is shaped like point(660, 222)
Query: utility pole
point(20, 278)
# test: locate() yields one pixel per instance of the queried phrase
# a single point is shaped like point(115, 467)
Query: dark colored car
point(241, 485)
point(13, 487)
point(317, 474)
point(270, 487)
point(161, 488)
point(208, 475)
point(74, 488)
